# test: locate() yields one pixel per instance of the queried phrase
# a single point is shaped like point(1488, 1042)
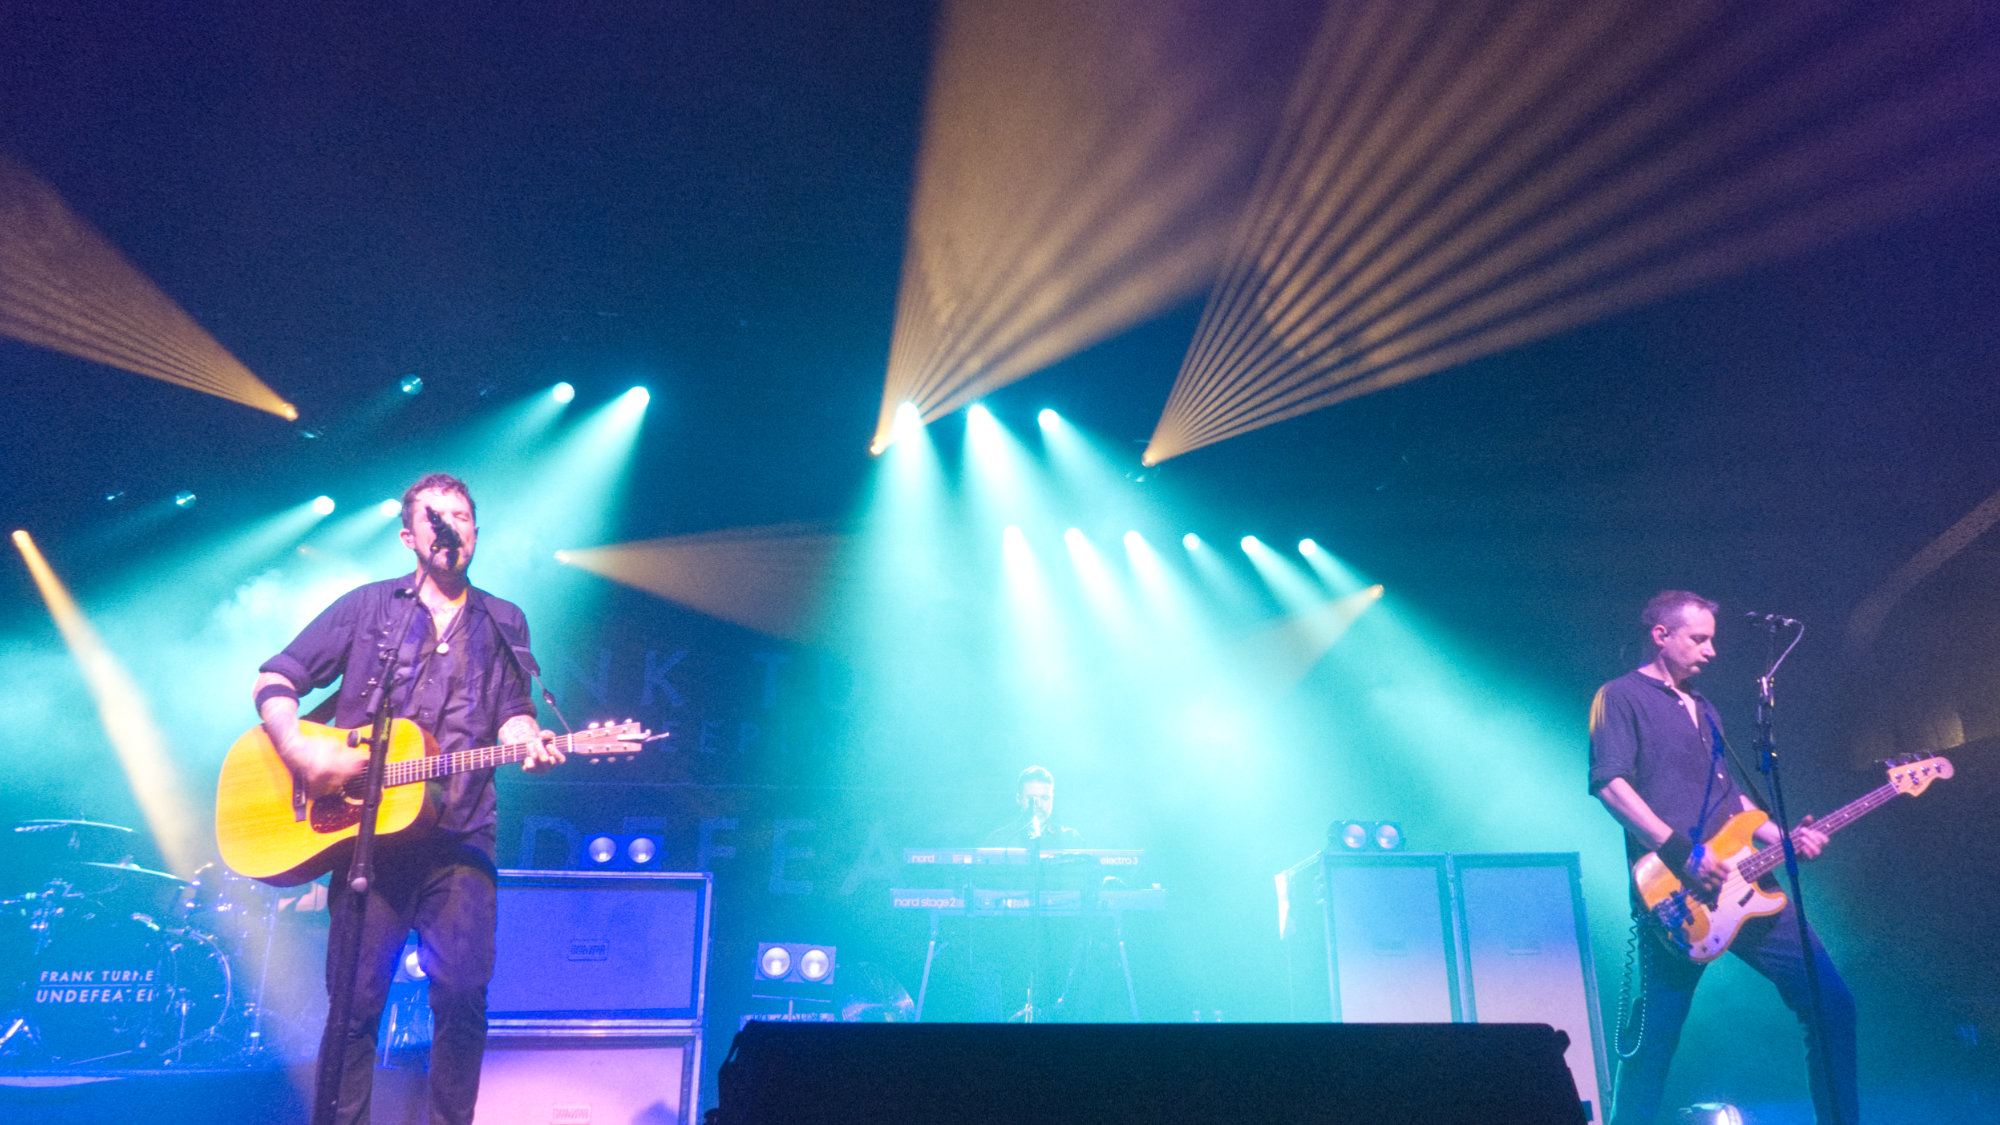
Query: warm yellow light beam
point(64, 287)
point(1457, 178)
point(1288, 649)
point(1080, 169)
point(763, 578)
point(128, 721)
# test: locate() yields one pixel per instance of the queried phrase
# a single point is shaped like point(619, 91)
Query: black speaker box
point(600, 948)
point(941, 1074)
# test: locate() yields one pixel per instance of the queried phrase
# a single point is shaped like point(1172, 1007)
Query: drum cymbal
point(139, 875)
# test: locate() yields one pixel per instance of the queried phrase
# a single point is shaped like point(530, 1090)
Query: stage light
point(183, 499)
point(1191, 541)
point(1364, 835)
point(794, 971)
point(411, 384)
point(1134, 541)
point(601, 850)
point(323, 505)
point(114, 496)
point(1074, 538)
point(562, 557)
point(774, 962)
point(1710, 1113)
point(412, 963)
point(641, 851)
point(1250, 544)
point(623, 852)
point(1048, 419)
point(1307, 547)
point(639, 396)
point(390, 509)
point(562, 392)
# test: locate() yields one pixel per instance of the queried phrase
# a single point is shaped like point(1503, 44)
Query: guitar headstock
point(1911, 775)
point(606, 741)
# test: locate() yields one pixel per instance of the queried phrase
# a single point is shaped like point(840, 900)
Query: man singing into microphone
point(1658, 763)
point(454, 666)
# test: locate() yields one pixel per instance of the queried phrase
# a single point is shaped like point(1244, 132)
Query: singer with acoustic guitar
point(455, 657)
point(1657, 763)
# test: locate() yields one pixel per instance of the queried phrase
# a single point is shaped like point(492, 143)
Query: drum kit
point(105, 964)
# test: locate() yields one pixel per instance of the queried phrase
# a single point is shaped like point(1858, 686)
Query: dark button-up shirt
point(461, 696)
point(1641, 731)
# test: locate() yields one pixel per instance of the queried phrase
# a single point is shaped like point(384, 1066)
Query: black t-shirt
point(461, 696)
point(1640, 731)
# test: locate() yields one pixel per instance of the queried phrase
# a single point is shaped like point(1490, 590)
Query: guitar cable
point(1631, 1010)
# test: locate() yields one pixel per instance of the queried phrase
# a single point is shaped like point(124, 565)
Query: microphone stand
point(1767, 763)
point(360, 876)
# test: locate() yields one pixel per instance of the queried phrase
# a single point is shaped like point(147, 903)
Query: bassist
point(1657, 763)
point(456, 673)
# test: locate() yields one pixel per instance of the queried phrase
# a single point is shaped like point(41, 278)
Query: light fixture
point(412, 384)
point(622, 852)
point(183, 499)
point(562, 392)
point(794, 971)
point(323, 505)
point(1364, 836)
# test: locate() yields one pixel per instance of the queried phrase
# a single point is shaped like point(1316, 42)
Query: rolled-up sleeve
point(318, 655)
point(1614, 737)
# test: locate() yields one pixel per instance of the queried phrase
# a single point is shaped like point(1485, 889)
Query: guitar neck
point(413, 770)
point(1760, 863)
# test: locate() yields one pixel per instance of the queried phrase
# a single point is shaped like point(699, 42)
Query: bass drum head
point(107, 986)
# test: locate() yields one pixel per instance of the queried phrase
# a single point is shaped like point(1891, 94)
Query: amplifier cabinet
point(590, 1076)
point(600, 948)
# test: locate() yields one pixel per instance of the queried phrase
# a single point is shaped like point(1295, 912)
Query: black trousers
point(1771, 946)
point(445, 892)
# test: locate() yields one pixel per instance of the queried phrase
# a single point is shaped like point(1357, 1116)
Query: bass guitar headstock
point(1911, 775)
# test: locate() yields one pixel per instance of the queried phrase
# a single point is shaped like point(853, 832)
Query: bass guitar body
point(1693, 923)
point(268, 830)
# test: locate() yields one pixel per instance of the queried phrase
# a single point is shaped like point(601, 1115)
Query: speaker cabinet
point(1412, 938)
point(589, 1078)
point(601, 948)
point(1218, 1074)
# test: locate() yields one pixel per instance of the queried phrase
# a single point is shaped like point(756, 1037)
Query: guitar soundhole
point(334, 813)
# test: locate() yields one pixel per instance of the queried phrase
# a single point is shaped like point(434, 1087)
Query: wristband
point(275, 691)
point(1675, 852)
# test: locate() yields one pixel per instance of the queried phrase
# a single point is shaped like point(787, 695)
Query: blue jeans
point(1770, 946)
point(446, 893)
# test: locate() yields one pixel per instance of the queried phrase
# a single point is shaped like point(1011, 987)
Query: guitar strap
point(1745, 779)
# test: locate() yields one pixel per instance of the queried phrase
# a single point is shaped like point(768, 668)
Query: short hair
point(1033, 773)
point(1668, 608)
point(440, 482)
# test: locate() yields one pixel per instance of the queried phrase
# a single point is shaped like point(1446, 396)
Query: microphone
point(1770, 619)
point(442, 532)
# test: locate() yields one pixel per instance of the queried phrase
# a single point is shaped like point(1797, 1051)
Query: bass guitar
point(269, 830)
point(1699, 925)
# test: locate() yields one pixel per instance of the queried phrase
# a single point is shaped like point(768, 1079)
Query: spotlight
point(411, 965)
point(183, 499)
point(1134, 540)
point(1048, 418)
point(1250, 543)
point(623, 852)
point(1191, 541)
point(794, 971)
point(311, 434)
point(1364, 836)
point(114, 496)
point(1074, 537)
point(1710, 1113)
point(640, 396)
point(412, 384)
point(1307, 546)
point(390, 509)
point(562, 392)
point(562, 557)
point(323, 505)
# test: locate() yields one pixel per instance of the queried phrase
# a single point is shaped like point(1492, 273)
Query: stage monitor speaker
point(590, 1079)
point(605, 948)
point(1526, 953)
point(1218, 1074)
point(1383, 925)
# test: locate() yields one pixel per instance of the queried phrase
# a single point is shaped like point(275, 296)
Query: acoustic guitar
point(269, 830)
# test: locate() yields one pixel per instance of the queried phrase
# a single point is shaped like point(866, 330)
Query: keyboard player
point(1034, 822)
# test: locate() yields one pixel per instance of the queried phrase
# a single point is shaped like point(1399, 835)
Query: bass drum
point(117, 986)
